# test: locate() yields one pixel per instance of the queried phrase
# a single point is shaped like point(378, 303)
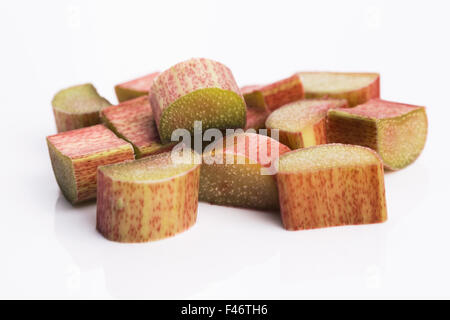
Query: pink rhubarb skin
point(135, 204)
point(135, 88)
point(333, 185)
point(255, 147)
point(274, 95)
point(76, 154)
point(133, 121)
point(396, 131)
point(190, 77)
point(68, 121)
point(245, 182)
point(256, 118)
point(302, 123)
point(353, 97)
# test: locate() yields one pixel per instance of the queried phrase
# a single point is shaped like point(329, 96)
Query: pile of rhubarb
point(312, 146)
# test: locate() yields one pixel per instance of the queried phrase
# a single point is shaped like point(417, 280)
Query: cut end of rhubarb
point(76, 154)
point(196, 90)
point(235, 172)
point(147, 199)
point(133, 121)
point(79, 99)
point(302, 123)
point(274, 95)
point(357, 88)
point(396, 131)
point(331, 185)
point(216, 108)
point(135, 88)
point(77, 107)
point(151, 169)
point(326, 157)
point(296, 116)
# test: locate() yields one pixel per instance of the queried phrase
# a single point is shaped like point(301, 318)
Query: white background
point(49, 249)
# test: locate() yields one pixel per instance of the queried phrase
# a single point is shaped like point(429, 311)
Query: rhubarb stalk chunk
point(331, 185)
point(135, 88)
point(133, 121)
point(147, 199)
point(256, 118)
point(274, 95)
point(302, 123)
point(77, 107)
point(356, 88)
point(396, 131)
point(235, 172)
point(76, 154)
point(196, 90)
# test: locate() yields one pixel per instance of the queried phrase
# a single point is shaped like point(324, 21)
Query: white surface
point(51, 250)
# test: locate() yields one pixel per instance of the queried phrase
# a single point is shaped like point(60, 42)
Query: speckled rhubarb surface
point(133, 121)
point(135, 88)
point(331, 185)
point(241, 183)
point(147, 199)
point(356, 88)
point(397, 131)
point(196, 90)
point(77, 107)
point(274, 95)
point(303, 123)
point(75, 156)
point(256, 118)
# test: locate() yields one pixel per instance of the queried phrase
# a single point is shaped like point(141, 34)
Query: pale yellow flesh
point(152, 168)
point(325, 157)
point(402, 139)
point(79, 100)
point(308, 136)
point(332, 83)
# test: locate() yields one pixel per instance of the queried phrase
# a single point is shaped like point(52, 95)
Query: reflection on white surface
point(237, 253)
point(182, 265)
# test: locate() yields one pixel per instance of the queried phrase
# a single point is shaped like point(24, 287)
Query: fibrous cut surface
point(396, 131)
point(236, 174)
point(147, 199)
point(135, 88)
point(357, 88)
point(76, 154)
point(303, 123)
point(77, 107)
point(133, 121)
point(196, 90)
point(331, 185)
point(296, 116)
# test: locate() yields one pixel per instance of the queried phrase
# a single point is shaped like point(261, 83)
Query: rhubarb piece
point(147, 199)
point(302, 123)
point(133, 121)
point(356, 88)
point(77, 107)
point(396, 131)
point(196, 90)
point(236, 172)
point(274, 95)
point(256, 118)
point(331, 185)
point(76, 154)
point(135, 88)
